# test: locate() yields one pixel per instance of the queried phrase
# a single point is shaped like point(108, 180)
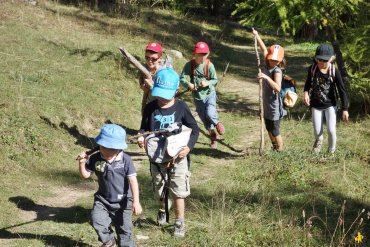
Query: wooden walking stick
point(262, 137)
point(135, 62)
point(140, 67)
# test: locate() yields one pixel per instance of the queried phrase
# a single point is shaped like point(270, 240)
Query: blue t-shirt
point(112, 176)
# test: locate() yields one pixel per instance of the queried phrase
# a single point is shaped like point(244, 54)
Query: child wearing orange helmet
point(272, 77)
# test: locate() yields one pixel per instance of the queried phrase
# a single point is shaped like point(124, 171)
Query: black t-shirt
point(323, 89)
point(157, 118)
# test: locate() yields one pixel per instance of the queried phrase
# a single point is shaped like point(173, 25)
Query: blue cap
point(166, 83)
point(112, 136)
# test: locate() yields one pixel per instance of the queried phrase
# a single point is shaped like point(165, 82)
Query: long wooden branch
point(135, 62)
point(262, 134)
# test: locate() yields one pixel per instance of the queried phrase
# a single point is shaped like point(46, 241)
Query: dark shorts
point(273, 126)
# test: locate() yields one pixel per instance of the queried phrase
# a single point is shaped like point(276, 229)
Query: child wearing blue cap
point(118, 193)
point(158, 115)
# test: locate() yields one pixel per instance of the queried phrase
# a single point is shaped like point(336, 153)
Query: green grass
point(62, 78)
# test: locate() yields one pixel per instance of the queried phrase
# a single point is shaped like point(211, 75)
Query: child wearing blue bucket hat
point(174, 175)
point(118, 193)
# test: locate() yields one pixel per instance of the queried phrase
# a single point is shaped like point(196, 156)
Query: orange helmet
point(275, 52)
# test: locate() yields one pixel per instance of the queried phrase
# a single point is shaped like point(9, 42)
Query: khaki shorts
point(180, 176)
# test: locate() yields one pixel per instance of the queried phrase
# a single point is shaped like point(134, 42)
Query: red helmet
point(154, 46)
point(201, 47)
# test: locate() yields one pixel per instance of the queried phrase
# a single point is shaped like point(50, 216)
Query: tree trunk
point(339, 56)
point(213, 7)
point(308, 31)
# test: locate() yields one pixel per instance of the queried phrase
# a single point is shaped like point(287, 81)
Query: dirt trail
point(63, 197)
point(246, 92)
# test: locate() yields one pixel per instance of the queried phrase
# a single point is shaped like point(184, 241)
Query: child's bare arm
point(260, 43)
point(82, 158)
point(136, 207)
point(275, 84)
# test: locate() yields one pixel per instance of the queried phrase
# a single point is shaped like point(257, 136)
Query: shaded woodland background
point(345, 24)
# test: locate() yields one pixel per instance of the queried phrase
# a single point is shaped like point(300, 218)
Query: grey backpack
point(163, 147)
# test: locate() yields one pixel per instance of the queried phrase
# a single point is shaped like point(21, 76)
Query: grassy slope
point(63, 78)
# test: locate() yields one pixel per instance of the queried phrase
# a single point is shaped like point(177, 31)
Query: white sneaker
point(179, 229)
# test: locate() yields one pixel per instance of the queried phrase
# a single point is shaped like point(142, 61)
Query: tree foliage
point(345, 23)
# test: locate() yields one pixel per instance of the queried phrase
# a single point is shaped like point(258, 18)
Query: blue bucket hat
point(166, 83)
point(112, 136)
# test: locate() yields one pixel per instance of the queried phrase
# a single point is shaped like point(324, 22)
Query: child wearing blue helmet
point(159, 114)
point(118, 193)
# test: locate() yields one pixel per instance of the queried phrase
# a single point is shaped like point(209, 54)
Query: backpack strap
point(205, 69)
point(192, 70)
point(332, 72)
point(313, 72)
point(332, 80)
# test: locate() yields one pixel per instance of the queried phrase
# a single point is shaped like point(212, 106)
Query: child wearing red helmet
point(199, 76)
point(153, 62)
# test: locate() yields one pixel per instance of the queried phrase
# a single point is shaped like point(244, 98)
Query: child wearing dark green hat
point(323, 84)
point(118, 193)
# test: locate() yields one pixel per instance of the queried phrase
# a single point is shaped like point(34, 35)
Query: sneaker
point(220, 128)
point(179, 229)
point(161, 218)
point(110, 243)
point(214, 138)
point(317, 146)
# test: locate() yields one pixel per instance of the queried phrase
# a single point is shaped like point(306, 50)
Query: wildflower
point(359, 238)
point(308, 223)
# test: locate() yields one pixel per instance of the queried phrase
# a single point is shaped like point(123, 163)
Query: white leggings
point(331, 121)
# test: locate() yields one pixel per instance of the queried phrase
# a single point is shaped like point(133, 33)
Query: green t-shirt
point(201, 92)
